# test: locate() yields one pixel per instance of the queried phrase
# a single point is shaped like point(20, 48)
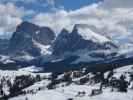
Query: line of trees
point(19, 83)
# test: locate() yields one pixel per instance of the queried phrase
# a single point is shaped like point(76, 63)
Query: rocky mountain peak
point(22, 39)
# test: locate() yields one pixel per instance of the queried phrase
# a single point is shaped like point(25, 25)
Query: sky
point(110, 17)
point(13, 12)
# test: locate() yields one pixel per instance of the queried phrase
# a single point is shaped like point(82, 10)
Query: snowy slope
point(30, 69)
point(62, 92)
point(45, 49)
point(88, 34)
point(72, 91)
point(7, 75)
point(5, 59)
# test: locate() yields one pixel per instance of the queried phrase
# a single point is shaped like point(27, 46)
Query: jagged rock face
point(72, 42)
point(3, 45)
point(26, 34)
point(43, 35)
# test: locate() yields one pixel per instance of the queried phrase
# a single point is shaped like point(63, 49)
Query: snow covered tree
point(123, 84)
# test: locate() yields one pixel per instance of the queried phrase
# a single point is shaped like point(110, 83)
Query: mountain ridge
point(34, 45)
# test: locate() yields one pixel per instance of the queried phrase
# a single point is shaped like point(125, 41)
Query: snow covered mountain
point(84, 43)
point(87, 34)
point(27, 43)
point(30, 39)
point(34, 45)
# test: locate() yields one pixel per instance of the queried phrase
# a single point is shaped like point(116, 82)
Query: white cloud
point(56, 21)
point(109, 17)
point(10, 17)
point(51, 2)
point(118, 3)
point(41, 2)
point(11, 9)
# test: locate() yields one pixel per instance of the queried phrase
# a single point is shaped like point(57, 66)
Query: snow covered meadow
point(76, 89)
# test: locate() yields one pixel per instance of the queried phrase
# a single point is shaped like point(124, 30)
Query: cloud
point(51, 2)
point(40, 2)
point(110, 17)
point(118, 3)
point(56, 20)
point(11, 16)
point(11, 9)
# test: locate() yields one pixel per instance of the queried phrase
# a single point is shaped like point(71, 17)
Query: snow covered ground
point(30, 69)
point(71, 92)
point(6, 76)
point(65, 93)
